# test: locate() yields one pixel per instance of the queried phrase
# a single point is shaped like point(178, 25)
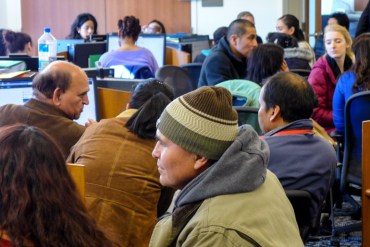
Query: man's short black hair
point(238, 27)
point(292, 93)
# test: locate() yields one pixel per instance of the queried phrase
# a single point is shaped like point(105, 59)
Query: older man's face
point(72, 101)
point(175, 164)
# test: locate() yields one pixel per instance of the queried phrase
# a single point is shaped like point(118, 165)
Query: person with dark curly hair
point(83, 26)
point(39, 202)
point(129, 58)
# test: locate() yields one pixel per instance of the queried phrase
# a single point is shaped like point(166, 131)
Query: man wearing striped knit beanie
point(226, 191)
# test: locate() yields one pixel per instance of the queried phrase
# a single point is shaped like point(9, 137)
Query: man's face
point(72, 101)
point(245, 44)
point(264, 116)
point(175, 165)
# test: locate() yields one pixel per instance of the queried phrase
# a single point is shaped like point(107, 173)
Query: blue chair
point(357, 110)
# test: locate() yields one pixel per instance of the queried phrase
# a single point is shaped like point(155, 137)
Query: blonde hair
point(346, 35)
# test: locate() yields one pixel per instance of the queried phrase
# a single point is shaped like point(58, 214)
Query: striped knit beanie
point(202, 122)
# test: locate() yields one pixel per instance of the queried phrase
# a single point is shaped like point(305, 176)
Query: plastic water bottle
point(47, 48)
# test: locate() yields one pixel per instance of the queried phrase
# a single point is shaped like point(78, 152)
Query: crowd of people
point(226, 176)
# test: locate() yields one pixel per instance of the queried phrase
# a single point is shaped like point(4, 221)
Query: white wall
point(10, 14)
point(205, 20)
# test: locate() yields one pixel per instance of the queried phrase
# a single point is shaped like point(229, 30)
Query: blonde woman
point(326, 71)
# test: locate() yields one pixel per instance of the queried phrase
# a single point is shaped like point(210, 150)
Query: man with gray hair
point(228, 59)
point(59, 96)
point(226, 191)
point(250, 17)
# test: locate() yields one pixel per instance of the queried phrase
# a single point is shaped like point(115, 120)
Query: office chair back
point(193, 70)
point(301, 201)
point(176, 77)
point(248, 115)
point(357, 110)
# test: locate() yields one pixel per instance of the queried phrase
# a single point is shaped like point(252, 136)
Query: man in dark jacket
point(228, 59)
point(299, 158)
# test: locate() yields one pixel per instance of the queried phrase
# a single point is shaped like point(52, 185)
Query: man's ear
point(201, 163)
point(233, 39)
point(56, 96)
point(276, 113)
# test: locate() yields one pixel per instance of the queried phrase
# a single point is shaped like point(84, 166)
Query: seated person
point(129, 54)
point(59, 95)
point(260, 66)
point(351, 82)
point(289, 24)
point(228, 59)
point(249, 17)
point(123, 191)
point(154, 27)
point(326, 71)
point(222, 175)
point(295, 57)
point(217, 35)
point(39, 202)
point(83, 26)
point(18, 42)
point(299, 158)
point(338, 18)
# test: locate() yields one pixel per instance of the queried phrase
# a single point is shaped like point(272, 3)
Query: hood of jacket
point(298, 52)
point(242, 168)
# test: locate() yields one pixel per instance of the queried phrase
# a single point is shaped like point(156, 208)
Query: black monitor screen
point(198, 43)
point(156, 43)
point(84, 55)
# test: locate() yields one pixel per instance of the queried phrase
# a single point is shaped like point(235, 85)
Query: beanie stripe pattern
point(202, 122)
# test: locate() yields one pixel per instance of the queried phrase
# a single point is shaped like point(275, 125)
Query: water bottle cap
point(47, 29)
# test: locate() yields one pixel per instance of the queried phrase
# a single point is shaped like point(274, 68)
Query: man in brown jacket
point(59, 96)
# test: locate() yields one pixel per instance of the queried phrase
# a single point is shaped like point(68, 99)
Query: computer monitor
point(156, 43)
point(89, 110)
point(198, 43)
point(112, 83)
point(96, 38)
point(65, 44)
point(84, 55)
point(19, 92)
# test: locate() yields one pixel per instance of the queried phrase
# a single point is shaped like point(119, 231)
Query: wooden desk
point(176, 57)
point(366, 183)
point(112, 102)
point(77, 172)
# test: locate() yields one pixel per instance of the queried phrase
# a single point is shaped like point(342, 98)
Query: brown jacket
point(122, 181)
point(53, 121)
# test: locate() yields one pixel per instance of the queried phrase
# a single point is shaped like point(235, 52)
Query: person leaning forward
point(59, 96)
point(226, 191)
point(227, 59)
